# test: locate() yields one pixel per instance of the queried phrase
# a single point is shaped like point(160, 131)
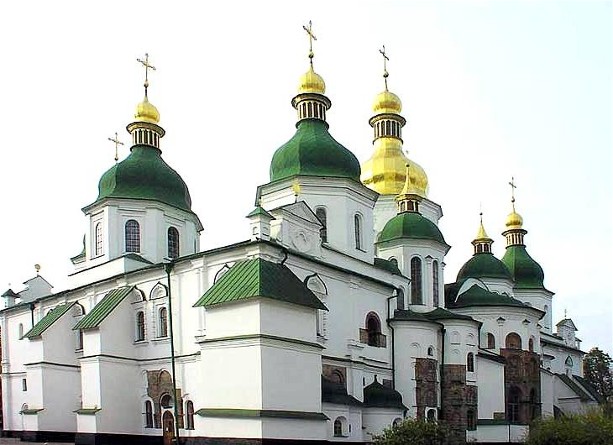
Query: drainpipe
point(442, 417)
point(168, 268)
point(32, 307)
point(389, 316)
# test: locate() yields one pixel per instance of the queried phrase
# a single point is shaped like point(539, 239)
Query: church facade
point(331, 323)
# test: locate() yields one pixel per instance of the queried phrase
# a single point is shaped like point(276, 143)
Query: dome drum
point(311, 106)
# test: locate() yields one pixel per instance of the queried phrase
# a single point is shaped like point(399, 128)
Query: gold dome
point(385, 171)
point(146, 112)
point(387, 102)
point(311, 82)
point(514, 220)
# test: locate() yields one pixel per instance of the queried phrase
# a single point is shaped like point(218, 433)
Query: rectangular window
point(24, 384)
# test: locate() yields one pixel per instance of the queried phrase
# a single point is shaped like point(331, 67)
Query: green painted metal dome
point(312, 151)
point(145, 175)
point(477, 296)
point(410, 225)
point(484, 265)
point(526, 272)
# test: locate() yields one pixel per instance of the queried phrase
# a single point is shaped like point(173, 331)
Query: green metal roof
point(44, 323)
point(259, 278)
point(388, 265)
point(381, 396)
point(526, 272)
point(334, 392)
point(443, 314)
point(259, 211)
point(410, 225)
point(430, 317)
point(484, 265)
point(102, 310)
point(145, 175)
point(312, 151)
point(477, 296)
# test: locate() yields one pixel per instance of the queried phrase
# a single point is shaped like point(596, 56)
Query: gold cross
point(147, 66)
point(312, 37)
point(513, 187)
point(385, 60)
point(117, 143)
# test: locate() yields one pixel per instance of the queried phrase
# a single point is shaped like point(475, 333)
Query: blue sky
point(490, 90)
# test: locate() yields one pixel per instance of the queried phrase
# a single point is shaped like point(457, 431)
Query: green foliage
point(414, 432)
point(597, 370)
point(593, 428)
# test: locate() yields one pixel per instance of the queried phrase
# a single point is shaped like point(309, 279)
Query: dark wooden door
point(168, 426)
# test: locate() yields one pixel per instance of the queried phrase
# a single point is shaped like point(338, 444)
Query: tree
point(597, 371)
point(592, 428)
point(414, 432)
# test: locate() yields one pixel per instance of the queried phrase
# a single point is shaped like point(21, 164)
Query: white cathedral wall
point(547, 393)
point(297, 429)
point(287, 320)
point(61, 392)
point(461, 337)
point(229, 427)
point(121, 408)
point(386, 208)
point(352, 427)
point(377, 419)
point(539, 299)
point(412, 341)
point(490, 376)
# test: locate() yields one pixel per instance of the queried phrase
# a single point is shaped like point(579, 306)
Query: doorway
point(168, 427)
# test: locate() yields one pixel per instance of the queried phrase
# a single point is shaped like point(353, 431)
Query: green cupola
point(409, 223)
point(312, 151)
point(483, 263)
point(144, 175)
point(526, 272)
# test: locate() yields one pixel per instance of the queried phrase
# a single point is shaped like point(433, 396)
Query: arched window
point(357, 224)
point(513, 341)
point(98, 249)
point(339, 427)
point(513, 404)
point(189, 410)
point(140, 326)
point(394, 261)
point(166, 401)
point(416, 296)
point(173, 243)
point(431, 351)
point(569, 361)
point(435, 284)
point(491, 341)
point(79, 340)
point(470, 362)
point(163, 318)
point(373, 328)
point(148, 414)
point(320, 212)
point(337, 377)
point(396, 423)
point(400, 299)
point(20, 330)
point(431, 415)
point(471, 420)
point(531, 345)
point(132, 235)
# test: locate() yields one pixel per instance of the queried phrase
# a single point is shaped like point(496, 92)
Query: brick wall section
point(522, 372)
point(426, 394)
point(160, 383)
point(456, 399)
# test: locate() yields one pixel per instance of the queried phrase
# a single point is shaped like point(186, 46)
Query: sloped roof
point(259, 278)
point(381, 396)
point(102, 310)
point(589, 388)
point(44, 323)
point(477, 296)
point(333, 392)
point(583, 395)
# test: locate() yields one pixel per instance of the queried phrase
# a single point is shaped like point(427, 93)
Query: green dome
point(410, 225)
point(484, 265)
point(145, 175)
point(312, 151)
point(526, 272)
point(377, 395)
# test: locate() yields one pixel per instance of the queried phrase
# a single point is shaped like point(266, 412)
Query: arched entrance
point(168, 427)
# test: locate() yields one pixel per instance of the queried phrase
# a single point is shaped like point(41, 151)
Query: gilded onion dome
point(385, 171)
point(311, 82)
point(147, 112)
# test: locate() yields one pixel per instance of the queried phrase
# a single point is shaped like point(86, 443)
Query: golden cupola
point(385, 172)
point(311, 82)
point(482, 242)
point(514, 232)
point(145, 129)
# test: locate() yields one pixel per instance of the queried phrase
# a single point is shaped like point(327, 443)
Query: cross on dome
point(117, 143)
point(148, 67)
point(312, 37)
